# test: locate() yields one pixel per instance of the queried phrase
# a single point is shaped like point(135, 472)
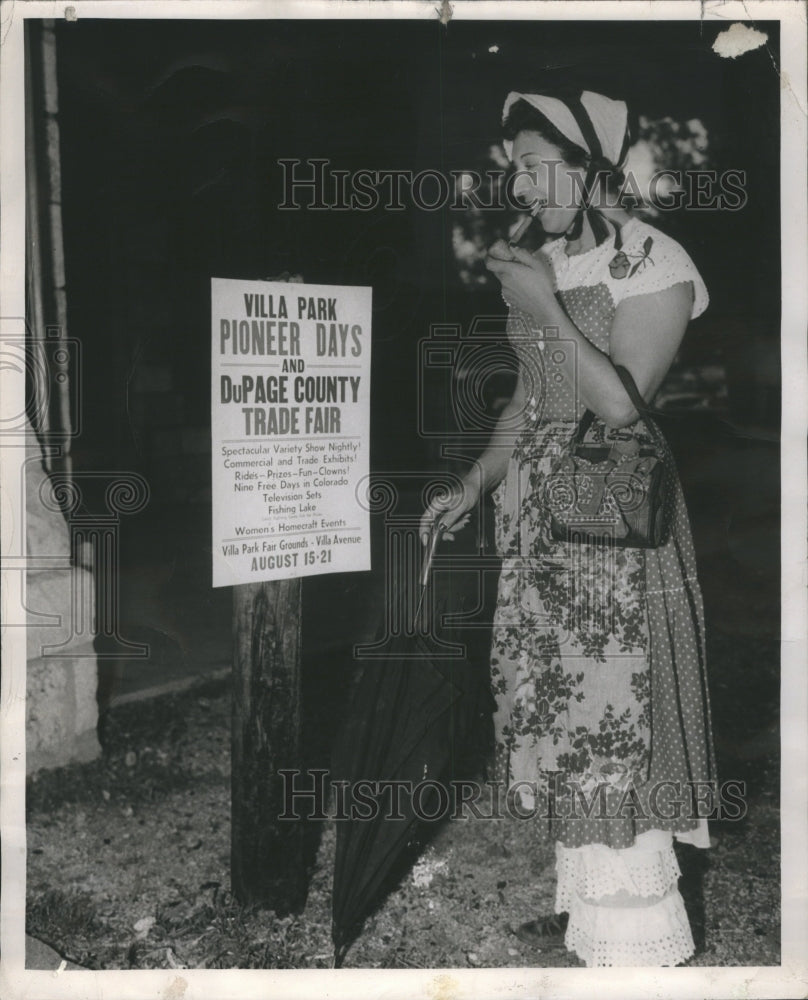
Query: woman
point(597, 652)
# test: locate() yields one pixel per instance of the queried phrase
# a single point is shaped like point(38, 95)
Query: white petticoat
point(624, 905)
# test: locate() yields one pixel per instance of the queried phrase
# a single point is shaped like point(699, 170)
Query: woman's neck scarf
point(599, 126)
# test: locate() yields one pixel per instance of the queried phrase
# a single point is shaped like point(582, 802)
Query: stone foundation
point(61, 711)
point(61, 682)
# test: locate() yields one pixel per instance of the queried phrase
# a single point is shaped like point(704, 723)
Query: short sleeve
point(652, 262)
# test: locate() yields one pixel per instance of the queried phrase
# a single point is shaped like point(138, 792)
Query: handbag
point(621, 493)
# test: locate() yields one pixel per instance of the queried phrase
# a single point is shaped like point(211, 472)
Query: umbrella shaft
point(418, 607)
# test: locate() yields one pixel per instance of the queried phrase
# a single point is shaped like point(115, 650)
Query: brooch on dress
point(621, 265)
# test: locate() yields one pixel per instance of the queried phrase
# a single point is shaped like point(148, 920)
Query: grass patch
point(67, 921)
point(50, 912)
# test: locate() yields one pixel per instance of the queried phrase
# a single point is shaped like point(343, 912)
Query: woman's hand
point(500, 250)
point(452, 509)
point(527, 281)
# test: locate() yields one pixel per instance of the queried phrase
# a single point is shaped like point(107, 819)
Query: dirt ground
point(128, 863)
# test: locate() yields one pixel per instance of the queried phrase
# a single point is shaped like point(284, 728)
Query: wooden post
point(266, 853)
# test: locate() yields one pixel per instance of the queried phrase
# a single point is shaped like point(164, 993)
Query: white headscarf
point(598, 125)
point(608, 118)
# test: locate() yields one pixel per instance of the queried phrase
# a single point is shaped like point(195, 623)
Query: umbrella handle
point(434, 538)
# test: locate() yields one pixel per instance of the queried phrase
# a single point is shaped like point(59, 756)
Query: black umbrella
point(410, 719)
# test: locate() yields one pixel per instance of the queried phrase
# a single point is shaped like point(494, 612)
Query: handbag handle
point(639, 405)
point(643, 409)
point(630, 386)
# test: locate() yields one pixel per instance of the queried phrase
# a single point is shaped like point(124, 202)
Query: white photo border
point(787, 980)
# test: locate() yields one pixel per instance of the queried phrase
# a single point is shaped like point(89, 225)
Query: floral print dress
point(597, 652)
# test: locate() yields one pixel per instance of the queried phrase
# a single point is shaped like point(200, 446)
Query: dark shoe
point(549, 930)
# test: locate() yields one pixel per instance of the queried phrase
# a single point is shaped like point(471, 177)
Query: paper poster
point(290, 400)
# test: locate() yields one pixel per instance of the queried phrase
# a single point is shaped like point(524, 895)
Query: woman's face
point(552, 180)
